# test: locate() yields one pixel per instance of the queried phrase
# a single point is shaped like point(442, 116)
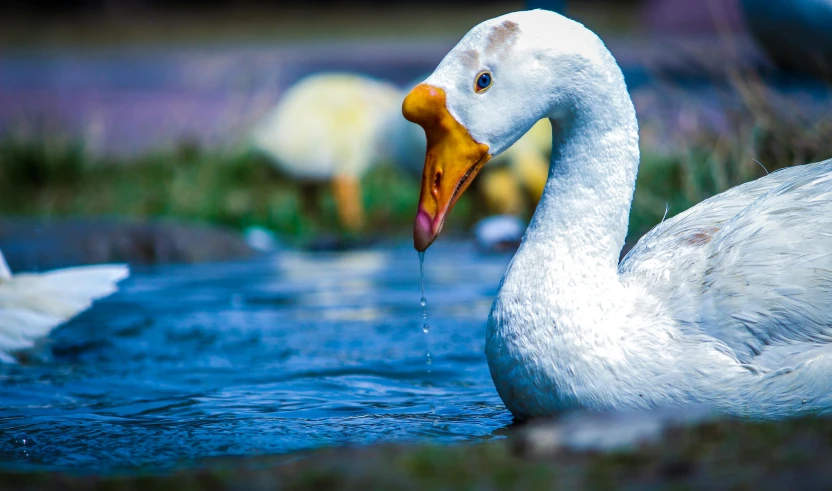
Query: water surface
point(287, 352)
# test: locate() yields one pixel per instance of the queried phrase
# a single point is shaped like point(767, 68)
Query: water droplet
point(423, 301)
point(22, 440)
point(422, 272)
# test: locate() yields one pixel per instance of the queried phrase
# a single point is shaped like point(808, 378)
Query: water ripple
point(276, 355)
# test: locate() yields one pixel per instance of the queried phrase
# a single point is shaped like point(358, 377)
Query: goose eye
point(483, 82)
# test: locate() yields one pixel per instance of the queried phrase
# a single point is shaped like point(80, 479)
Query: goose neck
point(583, 214)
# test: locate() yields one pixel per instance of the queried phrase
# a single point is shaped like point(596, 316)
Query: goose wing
point(751, 267)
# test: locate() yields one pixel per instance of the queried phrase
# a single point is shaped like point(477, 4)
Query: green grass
point(769, 132)
point(239, 189)
point(53, 177)
point(235, 188)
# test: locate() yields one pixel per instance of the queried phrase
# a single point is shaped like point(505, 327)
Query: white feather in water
point(32, 304)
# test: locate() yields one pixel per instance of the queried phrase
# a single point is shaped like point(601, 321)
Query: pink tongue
point(422, 234)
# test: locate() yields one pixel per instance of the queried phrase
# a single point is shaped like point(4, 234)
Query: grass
point(54, 177)
point(769, 131)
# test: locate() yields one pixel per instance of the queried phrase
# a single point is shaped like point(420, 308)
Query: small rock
point(603, 432)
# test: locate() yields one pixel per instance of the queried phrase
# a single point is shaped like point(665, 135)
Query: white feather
point(32, 304)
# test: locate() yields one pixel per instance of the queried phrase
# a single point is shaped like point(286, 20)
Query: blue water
point(287, 352)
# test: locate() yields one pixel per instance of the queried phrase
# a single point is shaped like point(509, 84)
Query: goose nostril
point(437, 179)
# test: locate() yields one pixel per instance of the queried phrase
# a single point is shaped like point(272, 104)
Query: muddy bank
point(716, 455)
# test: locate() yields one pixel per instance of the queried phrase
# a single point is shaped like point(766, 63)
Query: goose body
point(32, 304)
point(728, 304)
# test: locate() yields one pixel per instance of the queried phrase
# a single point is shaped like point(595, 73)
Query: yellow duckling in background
point(32, 304)
point(326, 128)
point(515, 184)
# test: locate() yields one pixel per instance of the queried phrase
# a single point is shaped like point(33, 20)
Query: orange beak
point(452, 160)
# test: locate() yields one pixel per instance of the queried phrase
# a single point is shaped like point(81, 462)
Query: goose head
point(502, 77)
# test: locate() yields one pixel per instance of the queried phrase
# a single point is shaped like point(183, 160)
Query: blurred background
point(157, 132)
point(149, 130)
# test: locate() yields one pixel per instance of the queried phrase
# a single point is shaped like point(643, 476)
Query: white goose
point(728, 304)
point(32, 304)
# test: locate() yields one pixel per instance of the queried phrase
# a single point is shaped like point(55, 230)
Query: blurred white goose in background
point(512, 187)
point(326, 128)
point(32, 304)
point(726, 304)
point(499, 233)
